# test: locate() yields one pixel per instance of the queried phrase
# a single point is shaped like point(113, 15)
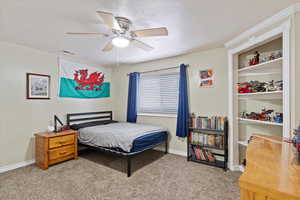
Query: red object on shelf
point(252, 62)
point(244, 88)
point(197, 153)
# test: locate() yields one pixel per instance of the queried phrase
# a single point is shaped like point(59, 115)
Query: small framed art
point(38, 86)
point(206, 78)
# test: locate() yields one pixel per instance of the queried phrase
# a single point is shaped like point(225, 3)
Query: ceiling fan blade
point(88, 34)
point(163, 31)
point(109, 20)
point(108, 47)
point(141, 45)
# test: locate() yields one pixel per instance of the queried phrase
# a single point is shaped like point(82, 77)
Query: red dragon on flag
point(93, 81)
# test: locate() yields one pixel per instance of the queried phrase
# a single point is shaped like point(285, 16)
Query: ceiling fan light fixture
point(120, 42)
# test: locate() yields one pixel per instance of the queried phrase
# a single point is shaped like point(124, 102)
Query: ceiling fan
point(122, 35)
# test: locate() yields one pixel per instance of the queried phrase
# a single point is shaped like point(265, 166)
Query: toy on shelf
point(251, 87)
point(272, 86)
point(261, 57)
point(257, 86)
point(264, 115)
point(272, 57)
point(255, 59)
point(296, 143)
point(278, 118)
point(244, 88)
point(278, 85)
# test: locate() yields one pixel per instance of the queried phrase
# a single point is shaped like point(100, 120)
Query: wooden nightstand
point(51, 148)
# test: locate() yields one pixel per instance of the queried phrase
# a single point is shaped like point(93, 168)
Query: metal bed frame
point(108, 116)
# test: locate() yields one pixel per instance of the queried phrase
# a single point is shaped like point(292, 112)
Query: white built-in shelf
point(261, 95)
point(243, 143)
point(269, 67)
point(259, 122)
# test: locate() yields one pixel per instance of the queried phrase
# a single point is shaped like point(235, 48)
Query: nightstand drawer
point(61, 152)
point(61, 141)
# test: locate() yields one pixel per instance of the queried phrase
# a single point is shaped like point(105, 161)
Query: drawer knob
point(63, 153)
point(62, 142)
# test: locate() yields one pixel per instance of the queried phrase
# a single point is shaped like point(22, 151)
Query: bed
point(98, 130)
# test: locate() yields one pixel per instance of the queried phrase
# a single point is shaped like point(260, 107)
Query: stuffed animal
point(296, 142)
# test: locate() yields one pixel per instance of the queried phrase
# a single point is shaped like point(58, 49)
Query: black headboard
point(90, 116)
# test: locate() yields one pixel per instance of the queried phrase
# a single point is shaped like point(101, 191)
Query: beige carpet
point(96, 176)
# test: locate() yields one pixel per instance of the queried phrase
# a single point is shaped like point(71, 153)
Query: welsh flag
point(81, 81)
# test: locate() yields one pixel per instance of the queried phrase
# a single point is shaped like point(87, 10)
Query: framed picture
point(38, 86)
point(206, 78)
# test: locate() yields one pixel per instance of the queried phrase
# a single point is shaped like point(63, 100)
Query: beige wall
point(203, 101)
point(21, 118)
point(296, 73)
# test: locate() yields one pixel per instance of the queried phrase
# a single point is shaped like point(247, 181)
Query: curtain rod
point(157, 70)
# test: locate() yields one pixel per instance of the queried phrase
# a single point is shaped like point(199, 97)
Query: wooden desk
point(271, 172)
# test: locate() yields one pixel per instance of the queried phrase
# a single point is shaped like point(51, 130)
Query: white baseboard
point(242, 168)
point(15, 166)
point(176, 152)
point(172, 151)
point(237, 168)
point(234, 167)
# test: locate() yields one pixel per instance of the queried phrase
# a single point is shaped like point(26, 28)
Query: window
point(158, 93)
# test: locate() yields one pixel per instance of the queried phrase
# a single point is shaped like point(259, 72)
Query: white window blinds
point(158, 93)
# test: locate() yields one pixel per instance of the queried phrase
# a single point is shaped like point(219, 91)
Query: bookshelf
point(273, 47)
point(217, 150)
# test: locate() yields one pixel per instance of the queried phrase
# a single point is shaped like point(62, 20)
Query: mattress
point(124, 137)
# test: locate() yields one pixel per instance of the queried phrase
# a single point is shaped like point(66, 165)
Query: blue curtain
point(183, 105)
point(132, 97)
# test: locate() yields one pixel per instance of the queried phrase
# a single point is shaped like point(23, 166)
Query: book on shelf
point(207, 140)
point(200, 122)
point(210, 157)
point(203, 155)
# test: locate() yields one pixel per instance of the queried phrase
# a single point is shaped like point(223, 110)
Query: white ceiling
point(192, 24)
